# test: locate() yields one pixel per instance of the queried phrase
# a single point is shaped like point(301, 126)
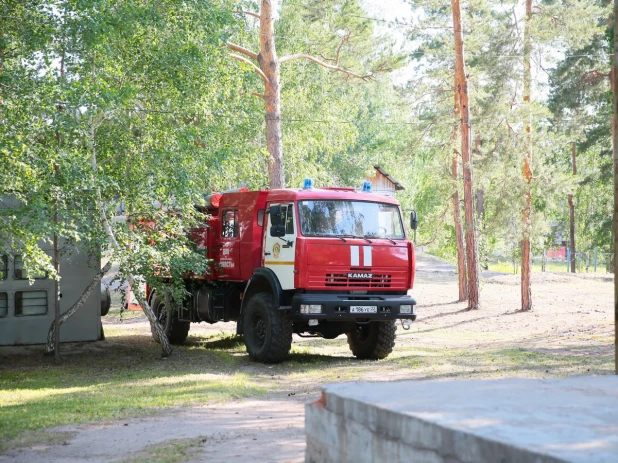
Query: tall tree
point(564, 20)
point(615, 159)
point(267, 65)
point(526, 288)
point(461, 90)
point(462, 280)
point(581, 106)
point(572, 210)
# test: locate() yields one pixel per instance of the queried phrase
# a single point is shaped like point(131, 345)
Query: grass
point(126, 377)
point(506, 266)
point(172, 451)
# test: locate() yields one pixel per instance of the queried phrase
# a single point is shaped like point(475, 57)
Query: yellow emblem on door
point(276, 250)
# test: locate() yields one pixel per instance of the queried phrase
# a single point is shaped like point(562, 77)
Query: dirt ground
point(572, 319)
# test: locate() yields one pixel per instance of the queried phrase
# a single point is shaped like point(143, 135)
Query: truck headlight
point(310, 308)
point(406, 309)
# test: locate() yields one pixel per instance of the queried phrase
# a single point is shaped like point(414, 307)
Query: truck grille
point(341, 280)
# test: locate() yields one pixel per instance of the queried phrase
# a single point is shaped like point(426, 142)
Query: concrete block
point(359, 443)
point(516, 420)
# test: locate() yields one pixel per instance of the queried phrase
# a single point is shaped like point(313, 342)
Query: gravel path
point(249, 430)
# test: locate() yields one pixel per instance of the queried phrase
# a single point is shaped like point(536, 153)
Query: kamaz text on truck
point(311, 261)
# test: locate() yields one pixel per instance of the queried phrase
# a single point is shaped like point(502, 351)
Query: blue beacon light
point(366, 187)
point(308, 184)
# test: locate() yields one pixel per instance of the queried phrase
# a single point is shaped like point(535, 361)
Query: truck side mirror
point(413, 220)
point(275, 215)
point(277, 229)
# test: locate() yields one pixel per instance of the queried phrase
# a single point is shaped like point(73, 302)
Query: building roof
point(398, 186)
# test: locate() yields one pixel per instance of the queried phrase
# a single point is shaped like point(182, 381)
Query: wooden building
point(383, 184)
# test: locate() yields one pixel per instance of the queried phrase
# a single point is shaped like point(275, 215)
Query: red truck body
point(311, 261)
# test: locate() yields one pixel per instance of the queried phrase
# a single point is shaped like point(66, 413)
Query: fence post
point(568, 259)
point(595, 260)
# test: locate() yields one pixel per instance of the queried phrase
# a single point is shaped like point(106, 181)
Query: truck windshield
point(350, 219)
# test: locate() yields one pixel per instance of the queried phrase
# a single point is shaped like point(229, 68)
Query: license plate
point(364, 309)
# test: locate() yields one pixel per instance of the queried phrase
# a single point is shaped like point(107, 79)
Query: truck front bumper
point(342, 307)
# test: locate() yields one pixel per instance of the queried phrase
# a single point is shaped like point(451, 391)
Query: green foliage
point(493, 56)
point(333, 126)
point(581, 104)
point(149, 91)
point(130, 99)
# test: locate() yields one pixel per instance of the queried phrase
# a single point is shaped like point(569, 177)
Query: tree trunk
point(572, 212)
point(461, 251)
point(51, 334)
point(526, 289)
point(615, 160)
point(461, 257)
point(154, 323)
point(461, 88)
point(56, 323)
point(269, 64)
point(1, 73)
point(55, 245)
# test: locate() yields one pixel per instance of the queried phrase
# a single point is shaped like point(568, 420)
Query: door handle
point(267, 253)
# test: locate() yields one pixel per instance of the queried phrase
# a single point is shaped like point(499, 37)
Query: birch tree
point(142, 84)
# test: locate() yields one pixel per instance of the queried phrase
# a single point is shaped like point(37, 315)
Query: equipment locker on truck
point(310, 261)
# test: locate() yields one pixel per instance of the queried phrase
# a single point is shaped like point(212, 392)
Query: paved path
point(234, 432)
point(431, 264)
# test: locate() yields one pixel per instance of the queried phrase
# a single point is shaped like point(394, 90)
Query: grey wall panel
point(77, 270)
point(77, 273)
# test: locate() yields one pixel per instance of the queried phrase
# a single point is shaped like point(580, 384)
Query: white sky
point(388, 9)
point(391, 10)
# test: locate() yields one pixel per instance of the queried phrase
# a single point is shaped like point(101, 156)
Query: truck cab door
point(279, 251)
point(229, 250)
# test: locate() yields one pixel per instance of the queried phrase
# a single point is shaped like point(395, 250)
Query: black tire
point(267, 330)
point(373, 341)
point(106, 300)
point(176, 330)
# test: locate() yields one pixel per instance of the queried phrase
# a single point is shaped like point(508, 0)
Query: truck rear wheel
point(373, 341)
point(176, 330)
point(267, 330)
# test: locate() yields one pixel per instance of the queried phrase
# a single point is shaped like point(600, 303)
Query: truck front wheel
point(267, 330)
point(373, 341)
point(176, 330)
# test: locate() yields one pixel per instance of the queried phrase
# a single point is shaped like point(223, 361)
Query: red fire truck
point(311, 261)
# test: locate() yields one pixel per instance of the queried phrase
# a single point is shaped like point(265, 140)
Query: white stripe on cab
point(367, 257)
point(354, 256)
